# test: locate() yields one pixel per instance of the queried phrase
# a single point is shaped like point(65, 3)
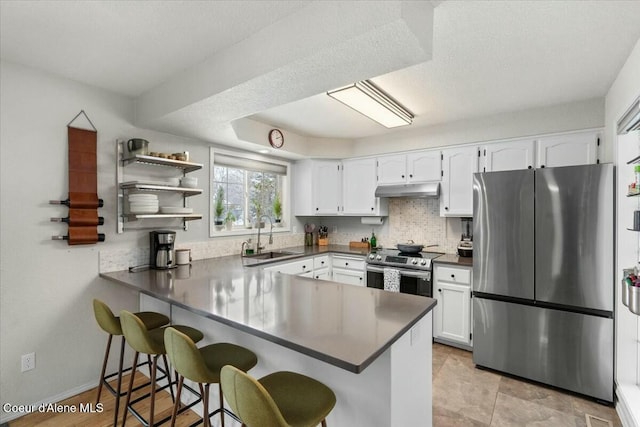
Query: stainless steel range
point(414, 268)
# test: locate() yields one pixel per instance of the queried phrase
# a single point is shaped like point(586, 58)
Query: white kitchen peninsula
point(372, 347)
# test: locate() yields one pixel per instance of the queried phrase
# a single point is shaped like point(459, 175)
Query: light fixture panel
point(369, 100)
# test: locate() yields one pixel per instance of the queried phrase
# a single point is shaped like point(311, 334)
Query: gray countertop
point(454, 260)
point(344, 325)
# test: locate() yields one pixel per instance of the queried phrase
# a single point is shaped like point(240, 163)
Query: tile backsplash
point(409, 219)
point(413, 219)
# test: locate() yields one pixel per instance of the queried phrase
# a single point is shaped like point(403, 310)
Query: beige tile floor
point(466, 396)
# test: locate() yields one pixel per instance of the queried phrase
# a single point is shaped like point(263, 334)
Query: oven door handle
point(426, 275)
point(403, 272)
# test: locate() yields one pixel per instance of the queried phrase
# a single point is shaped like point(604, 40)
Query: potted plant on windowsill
point(229, 220)
point(277, 210)
point(218, 209)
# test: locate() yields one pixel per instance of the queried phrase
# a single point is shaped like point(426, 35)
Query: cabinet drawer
point(296, 267)
point(321, 262)
point(350, 263)
point(453, 274)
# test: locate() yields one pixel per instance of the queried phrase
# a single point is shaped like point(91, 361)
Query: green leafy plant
point(277, 207)
point(230, 216)
point(218, 206)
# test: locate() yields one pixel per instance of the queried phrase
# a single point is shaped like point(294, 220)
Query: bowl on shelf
point(135, 208)
point(189, 182)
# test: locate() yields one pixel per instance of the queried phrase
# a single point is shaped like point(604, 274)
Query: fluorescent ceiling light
point(371, 101)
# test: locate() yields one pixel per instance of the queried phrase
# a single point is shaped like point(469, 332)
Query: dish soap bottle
point(373, 241)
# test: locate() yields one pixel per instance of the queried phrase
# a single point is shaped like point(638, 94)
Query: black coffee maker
point(161, 249)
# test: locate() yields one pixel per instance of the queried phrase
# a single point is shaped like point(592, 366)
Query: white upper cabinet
point(510, 155)
point(359, 187)
point(416, 167)
point(392, 170)
point(424, 166)
point(327, 187)
point(317, 187)
point(576, 148)
point(458, 166)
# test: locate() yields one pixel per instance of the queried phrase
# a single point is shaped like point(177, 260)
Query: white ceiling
point(196, 66)
point(489, 58)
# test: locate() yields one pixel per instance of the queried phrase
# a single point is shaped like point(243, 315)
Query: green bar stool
point(281, 399)
point(151, 343)
point(109, 323)
point(203, 365)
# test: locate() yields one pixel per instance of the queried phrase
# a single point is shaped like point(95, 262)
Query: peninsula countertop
point(345, 325)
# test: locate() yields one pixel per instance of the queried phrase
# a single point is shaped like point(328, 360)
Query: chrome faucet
point(260, 248)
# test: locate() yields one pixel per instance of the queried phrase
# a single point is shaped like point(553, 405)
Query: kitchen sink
point(265, 257)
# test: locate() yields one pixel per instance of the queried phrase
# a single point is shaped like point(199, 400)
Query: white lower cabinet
point(338, 268)
point(349, 277)
point(348, 269)
point(452, 315)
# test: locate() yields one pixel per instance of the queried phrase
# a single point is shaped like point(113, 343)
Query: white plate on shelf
point(143, 198)
point(175, 210)
point(143, 209)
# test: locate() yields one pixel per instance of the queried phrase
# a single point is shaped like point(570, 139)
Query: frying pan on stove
point(409, 247)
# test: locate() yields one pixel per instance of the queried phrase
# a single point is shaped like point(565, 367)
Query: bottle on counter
point(637, 175)
point(373, 241)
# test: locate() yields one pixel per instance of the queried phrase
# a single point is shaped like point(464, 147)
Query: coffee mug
point(183, 256)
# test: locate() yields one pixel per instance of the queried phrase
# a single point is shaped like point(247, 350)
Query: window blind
point(248, 164)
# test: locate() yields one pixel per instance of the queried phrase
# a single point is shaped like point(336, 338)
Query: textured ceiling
point(489, 58)
point(197, 67)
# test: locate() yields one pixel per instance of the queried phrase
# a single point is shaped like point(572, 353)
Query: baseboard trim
point(629, 414)
point(5, 418)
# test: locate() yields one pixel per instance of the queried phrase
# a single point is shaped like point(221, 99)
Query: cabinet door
point(327, 187)
point(392, 169)
point(349, 277)
point(322, 274)
point(359, 186)
point(424, 166)
point(580, 148)
point(458, 167)
point(512, 155)
point(452, 319)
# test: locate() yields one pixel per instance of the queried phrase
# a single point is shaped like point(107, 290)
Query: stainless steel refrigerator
point(543, 280)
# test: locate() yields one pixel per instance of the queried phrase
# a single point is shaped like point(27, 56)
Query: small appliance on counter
point(161, 249)
point(465, 247)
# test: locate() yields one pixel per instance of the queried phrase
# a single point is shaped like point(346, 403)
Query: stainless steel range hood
point(428, 189)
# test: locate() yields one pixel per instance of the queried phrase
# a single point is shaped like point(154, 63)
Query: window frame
point(284, 195)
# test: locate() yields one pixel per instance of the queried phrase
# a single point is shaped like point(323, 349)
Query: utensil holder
point(308, 239)
point(634, 299)
point(323, 241)
point(626, 293)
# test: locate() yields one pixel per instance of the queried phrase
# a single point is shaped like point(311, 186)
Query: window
point(243, 189)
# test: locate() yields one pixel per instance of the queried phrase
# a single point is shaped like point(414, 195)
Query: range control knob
point(379, 257)
point(372, 256)
point(414, 261)
point(423, 262)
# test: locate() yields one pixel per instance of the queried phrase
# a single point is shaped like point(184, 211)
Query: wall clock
point(276, 138)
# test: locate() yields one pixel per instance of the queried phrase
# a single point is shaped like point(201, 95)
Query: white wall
point(47, 286)
point(566, 117)
point(622, 93)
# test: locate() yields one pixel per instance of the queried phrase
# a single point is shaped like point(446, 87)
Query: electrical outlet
point(28, 362)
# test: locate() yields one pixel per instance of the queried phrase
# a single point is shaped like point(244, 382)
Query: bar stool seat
point(110, 323)
point(203, 365)
point(151, 343)
point(281, 399)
